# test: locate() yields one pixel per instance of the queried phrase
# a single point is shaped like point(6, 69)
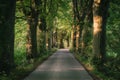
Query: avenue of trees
point(31, 29)
point(95, 36)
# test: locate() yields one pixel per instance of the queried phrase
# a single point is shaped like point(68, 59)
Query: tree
point(52, 13)
point(7, 21)
point(85, 39)
point(80, 10)
point(31, 12)
point(42, 26)
point(100, 14)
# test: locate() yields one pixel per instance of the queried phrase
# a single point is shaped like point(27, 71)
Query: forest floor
point(60, 66)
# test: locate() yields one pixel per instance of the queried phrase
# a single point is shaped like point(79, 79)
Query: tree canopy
point(30, 30)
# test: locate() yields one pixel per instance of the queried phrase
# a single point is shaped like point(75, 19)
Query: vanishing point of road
point(60, 66)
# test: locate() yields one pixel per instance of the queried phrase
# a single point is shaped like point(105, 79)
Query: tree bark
point(79, 14)
point(7, 21)
point(74, 38)
point(32, 21)
point(77, 37)
point(50, 40)
point(43, 24)
point(100, 12)
point(31, 45)
point(85, 31)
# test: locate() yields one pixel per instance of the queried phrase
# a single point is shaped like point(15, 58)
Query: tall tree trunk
point(74, 38)
point(44, 42)
point(38, 39)
point(68, 41)
point(74, 26)
point(42, 27)
point(79, 14)
point(100, 12)
point(61, 43)
point(32, 20)
point(50, 40)
point(87, 21)
point(56, 38)
point(7, 21)
point(43, 23)
point(83, 39)
point(77, 37)
point(31, 45)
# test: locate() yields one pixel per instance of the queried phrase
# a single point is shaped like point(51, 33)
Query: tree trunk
point(100, 8)
point(7, 21)
point(74, 38)
point(38, 40)
point(79, 15)
point(31, 45)
point(77, 37)
point(50, 40)
point(61, 43)
point(68, 41)
point(44, 40)
point(32, 20)
point(83, 39)
point(43, 23)
point(85, 31)
point(56, 38)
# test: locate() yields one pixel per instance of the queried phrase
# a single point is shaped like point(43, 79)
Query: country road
point(60, 66)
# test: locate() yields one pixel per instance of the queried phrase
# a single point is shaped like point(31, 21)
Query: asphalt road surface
point(60, 66)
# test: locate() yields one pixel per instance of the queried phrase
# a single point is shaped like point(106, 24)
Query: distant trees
point(7, 21)
point(81, 10)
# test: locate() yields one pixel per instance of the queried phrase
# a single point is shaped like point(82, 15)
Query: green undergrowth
point(21, 71)
point(96, 75)
point(110, 72)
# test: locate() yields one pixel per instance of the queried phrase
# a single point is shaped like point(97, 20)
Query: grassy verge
point(89, 68)
point(92, 70)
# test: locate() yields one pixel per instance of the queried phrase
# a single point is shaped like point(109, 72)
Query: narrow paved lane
point(60, 66)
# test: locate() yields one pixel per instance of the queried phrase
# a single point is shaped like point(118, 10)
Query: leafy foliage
point(55, 23)
point(113, 41)
point(20, 41)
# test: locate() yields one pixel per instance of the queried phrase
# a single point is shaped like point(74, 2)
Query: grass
point(111, 68)
point(94, 72)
